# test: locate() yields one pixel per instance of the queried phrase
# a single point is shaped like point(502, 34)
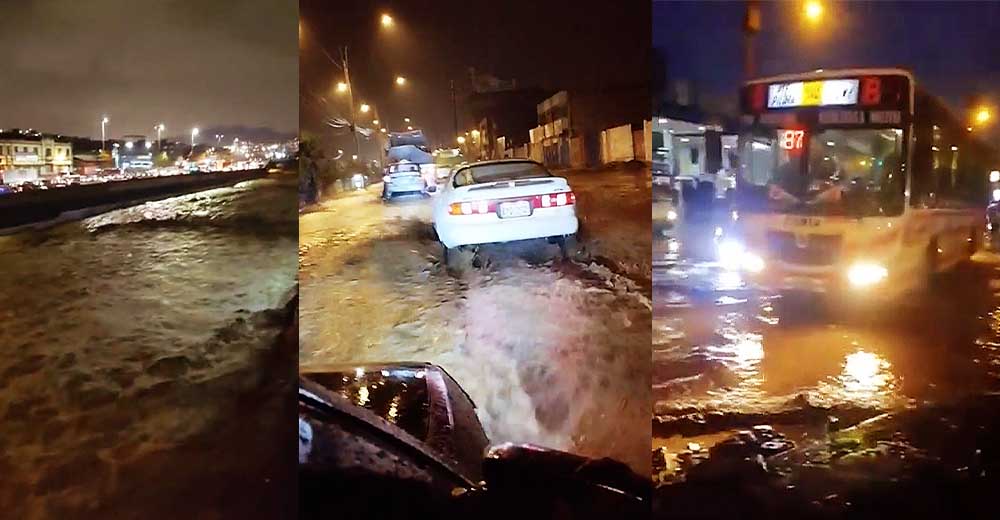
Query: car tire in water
point(450, 256)
point(931, 262)
point(567, 246)
point(974, 238)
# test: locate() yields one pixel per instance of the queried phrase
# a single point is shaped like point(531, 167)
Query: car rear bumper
point(404, 190)
point(464, 230)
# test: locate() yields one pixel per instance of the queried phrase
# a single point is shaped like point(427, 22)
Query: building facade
point(575, 127)
point(32, 155)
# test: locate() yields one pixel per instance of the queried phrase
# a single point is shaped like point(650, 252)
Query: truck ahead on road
point(409, 147)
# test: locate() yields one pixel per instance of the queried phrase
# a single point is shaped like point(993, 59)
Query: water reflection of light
point(743, 354)
point(865, 376)
point(729, 280)
point(363, 396)
point(767, 314)
point(749, 351)
point(394, 408)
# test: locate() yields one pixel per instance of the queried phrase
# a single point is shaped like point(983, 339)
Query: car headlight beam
point(733, 256)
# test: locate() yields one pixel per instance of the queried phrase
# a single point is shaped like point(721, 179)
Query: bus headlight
point(752, 262)
point(864, 274)
point(733, 256)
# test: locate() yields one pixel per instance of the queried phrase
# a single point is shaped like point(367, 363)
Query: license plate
point(521, 208)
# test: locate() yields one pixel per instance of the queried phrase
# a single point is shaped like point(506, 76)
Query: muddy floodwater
point(843, 401)
point(553, 352)
point(129, 340)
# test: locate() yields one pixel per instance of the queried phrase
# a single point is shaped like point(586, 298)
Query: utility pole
point(350, 99)
point(751, 26)
point(454, 109)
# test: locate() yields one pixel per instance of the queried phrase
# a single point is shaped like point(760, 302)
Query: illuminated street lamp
point(400, 80)
point(341, 87)
point(365, 108)
point(159, 130)
point(983, 115)
point(387, 20)
point(813, 11)
point(104, 121)
point(375, 122)
point(461, 139)
point(409, 128)
point(406, 120)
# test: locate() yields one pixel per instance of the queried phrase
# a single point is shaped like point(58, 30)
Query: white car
point(503, 201)
point(403, 178)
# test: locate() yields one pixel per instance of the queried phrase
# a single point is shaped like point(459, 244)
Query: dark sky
point(141, 62)
point(952, 47)
point(554, 44)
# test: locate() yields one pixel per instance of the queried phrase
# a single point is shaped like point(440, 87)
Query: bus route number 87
point(792, 139)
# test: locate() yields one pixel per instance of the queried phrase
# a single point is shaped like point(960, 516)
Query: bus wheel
point(931, 261)
point(974, 238)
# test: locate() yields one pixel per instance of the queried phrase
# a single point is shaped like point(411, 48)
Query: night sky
point(952, 47)
point(141, 62)
point(552, 44)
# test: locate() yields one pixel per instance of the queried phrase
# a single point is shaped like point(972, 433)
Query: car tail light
point(552, 200)
point(476, 207)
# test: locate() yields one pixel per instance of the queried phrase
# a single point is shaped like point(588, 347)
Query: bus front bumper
point(856, 281)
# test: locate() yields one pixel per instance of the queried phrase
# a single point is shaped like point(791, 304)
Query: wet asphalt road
point(727, 357)
point(553, 352)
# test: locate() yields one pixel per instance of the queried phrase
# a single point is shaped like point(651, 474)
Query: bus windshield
point(854, 172)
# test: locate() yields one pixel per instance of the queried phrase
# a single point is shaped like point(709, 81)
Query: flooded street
point(856, 400)
point(131, 342)
point(553, 352)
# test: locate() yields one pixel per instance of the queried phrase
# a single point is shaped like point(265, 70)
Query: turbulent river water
point(128, 339)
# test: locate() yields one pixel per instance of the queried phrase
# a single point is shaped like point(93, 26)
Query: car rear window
point(499, 172)
point(408, 168)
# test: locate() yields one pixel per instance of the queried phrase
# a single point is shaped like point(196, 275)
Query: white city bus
point(853, 183)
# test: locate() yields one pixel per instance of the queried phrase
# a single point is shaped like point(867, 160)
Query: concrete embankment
point(26, 209)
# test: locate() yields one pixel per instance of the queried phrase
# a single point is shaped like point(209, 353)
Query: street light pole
point(751, 26)
point(159, 140)
point(104, 121)
point(454, 108)
point(350, 99)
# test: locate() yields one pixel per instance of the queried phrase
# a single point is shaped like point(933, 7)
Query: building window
point(48, 153)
